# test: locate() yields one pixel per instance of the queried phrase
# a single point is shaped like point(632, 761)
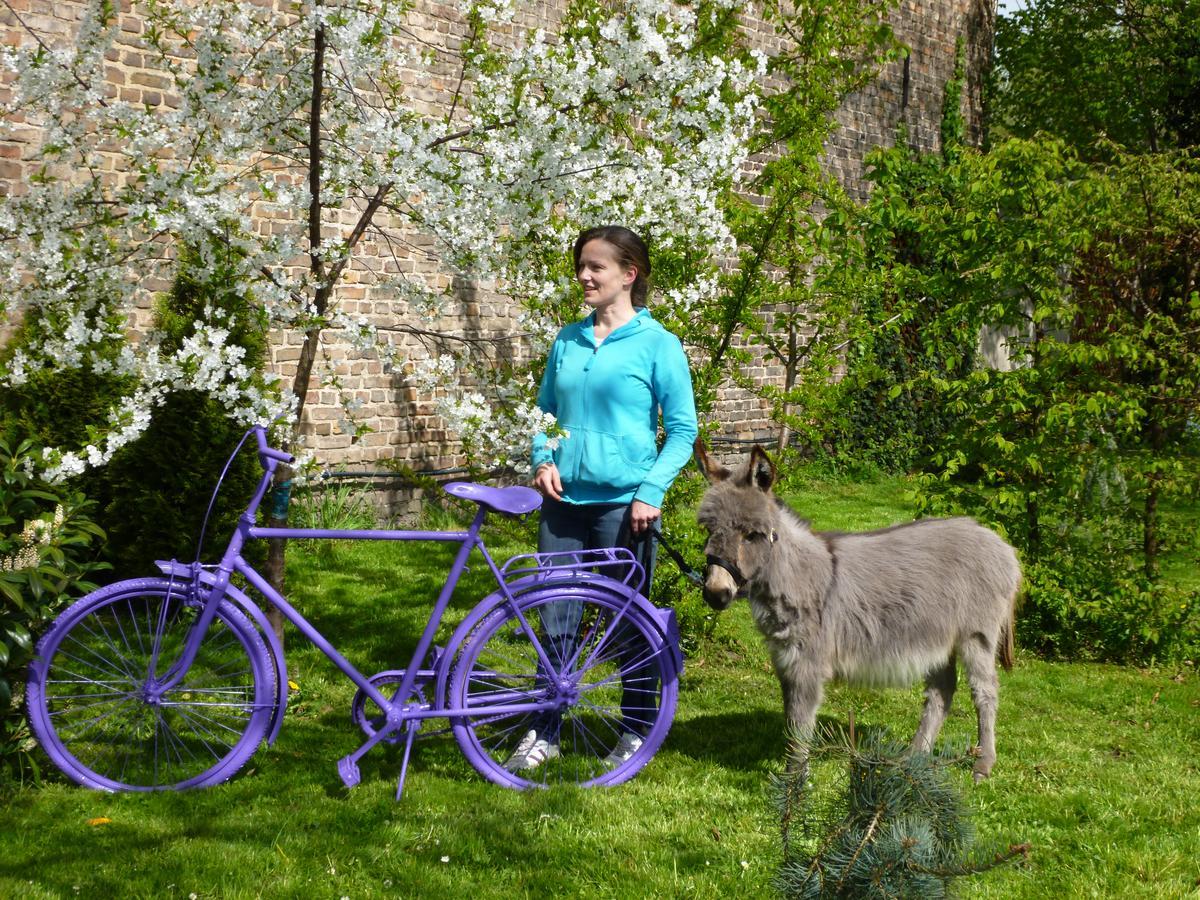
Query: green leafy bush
point(153, 494)
point(697, 621)
point(1082, 436)
point(886, 414)
point(1085, 609)
point(48, 549)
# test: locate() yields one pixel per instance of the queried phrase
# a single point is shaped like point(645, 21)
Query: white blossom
point(540, 145)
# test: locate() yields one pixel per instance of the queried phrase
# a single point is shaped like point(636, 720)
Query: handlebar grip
point(280, 455)
point(266, 452)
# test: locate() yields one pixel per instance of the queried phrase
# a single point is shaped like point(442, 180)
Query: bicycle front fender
point(575, 585)
point(183, 572)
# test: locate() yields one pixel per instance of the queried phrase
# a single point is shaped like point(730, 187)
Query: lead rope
point(689, 572)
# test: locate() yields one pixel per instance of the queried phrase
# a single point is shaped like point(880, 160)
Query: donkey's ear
point(712, 469)
point(761, 471)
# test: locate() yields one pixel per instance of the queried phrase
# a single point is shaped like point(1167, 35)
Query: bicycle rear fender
point(570, 585)
point(184, 572)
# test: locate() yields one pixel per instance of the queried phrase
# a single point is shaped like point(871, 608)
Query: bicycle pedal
point(348, 771)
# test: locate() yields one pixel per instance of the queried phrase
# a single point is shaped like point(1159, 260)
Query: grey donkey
point(881, 608)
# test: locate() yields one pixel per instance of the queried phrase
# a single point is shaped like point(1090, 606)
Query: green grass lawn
point(1097, 771)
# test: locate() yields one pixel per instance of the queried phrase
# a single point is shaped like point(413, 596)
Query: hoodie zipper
point(587, 374)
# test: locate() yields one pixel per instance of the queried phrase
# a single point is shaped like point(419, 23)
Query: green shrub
point(1087, 594)
point(898, 827)
point(697, 621)
point(1077, 609)
point(886, 418)
point(153, 494)
point(47, 555)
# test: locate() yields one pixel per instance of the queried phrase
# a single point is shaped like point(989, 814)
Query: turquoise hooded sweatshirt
point(608, 399)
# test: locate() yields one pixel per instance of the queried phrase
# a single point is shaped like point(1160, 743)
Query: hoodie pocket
point(638, 450)
point(602, 463)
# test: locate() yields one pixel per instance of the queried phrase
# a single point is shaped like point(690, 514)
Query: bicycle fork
point(155, 686)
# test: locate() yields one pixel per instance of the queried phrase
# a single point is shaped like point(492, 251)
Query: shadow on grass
point(209, 838)
point(744, 740)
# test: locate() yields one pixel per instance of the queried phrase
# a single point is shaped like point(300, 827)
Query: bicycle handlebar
point(265, 451)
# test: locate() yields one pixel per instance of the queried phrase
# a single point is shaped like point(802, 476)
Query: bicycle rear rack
point(617, 563)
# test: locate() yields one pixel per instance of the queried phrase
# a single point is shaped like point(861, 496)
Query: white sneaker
point(628, 745)
point(531, 753)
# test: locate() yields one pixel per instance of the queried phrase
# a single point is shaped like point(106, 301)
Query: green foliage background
point(1081, 257)
point(37, 580)
point(152, 496)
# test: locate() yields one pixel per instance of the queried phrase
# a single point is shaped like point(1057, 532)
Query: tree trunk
point(281, 486)
point(1034, 525)
point(789, 382)
point(1150, 535)
point(274, 571)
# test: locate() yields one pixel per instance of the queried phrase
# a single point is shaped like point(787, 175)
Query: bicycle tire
point(87, 690)
point(499, 664)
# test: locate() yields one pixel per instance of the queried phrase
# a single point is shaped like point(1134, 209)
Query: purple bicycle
point(173, 682)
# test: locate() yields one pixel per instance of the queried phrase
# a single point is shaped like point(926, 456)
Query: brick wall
point(404, 426)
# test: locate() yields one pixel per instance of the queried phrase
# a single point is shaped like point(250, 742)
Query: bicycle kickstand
point(411, 728)
point(347, 766)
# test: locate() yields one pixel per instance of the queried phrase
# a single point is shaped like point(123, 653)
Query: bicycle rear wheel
point(93, 703)
point(615, 674)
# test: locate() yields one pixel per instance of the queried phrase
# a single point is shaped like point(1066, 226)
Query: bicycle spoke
point(114, 656)
point(101, 721)
point(612, 658)
point(86, 723)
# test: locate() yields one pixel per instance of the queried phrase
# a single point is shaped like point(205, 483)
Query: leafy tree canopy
point(1085, 69)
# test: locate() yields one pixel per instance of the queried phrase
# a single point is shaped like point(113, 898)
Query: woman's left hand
point(641, 516)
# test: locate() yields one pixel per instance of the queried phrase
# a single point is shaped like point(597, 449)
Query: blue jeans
point(567, 527)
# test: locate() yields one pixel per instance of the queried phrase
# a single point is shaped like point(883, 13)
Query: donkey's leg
point(803, 688)
point(978, 657)
point(939, 692)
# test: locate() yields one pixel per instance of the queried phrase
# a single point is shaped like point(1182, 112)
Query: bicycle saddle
point(512, 501)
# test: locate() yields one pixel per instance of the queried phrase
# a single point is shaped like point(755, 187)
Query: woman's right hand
point(546, 480)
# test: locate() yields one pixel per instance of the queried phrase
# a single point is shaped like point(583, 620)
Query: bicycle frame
point(399, 710)
point(151, 683)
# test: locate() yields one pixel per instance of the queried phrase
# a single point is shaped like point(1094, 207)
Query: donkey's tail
point(1007, 649)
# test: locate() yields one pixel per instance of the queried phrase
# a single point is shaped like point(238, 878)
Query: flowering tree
point(790, 296)
point(305, 117)
point(298, 142)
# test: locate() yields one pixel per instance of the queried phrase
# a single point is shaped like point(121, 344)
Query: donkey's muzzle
point(722, 583)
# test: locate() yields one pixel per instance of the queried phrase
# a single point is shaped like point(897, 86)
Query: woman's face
point(603, 279)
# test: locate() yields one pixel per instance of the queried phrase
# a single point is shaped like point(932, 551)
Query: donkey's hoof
point(982, 769)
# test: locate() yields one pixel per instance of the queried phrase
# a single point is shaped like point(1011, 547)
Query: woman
point(607, 379)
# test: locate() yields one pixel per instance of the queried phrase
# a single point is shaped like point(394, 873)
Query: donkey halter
point(738, 578)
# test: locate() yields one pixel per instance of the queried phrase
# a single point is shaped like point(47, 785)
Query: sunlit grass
point(1097, 770)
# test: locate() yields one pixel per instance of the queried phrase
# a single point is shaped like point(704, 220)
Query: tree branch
point(83, 84)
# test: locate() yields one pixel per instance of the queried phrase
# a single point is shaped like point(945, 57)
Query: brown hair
point(631, 252)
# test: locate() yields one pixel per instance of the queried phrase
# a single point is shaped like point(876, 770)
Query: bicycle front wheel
point(95, 706)
point(612, 677)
